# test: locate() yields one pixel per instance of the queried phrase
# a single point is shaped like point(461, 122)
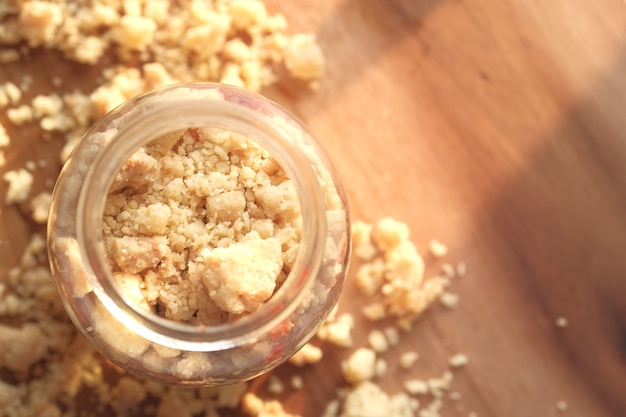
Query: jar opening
point(147, 118)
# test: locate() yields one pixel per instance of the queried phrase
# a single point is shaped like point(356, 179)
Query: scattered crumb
point(360, 366)
point(374, 311)
point(455, 396)
point(393, 335)
point(368, 400)
point(303, 57)
point(309, 354)
point(461, 269)
point(561, 322)
point(449, 299)
point(416, 386)
point(381, 367)
point(40, 206)
point(408, 359)
point(20, 115)
point(437, 385)
point(297, 382)
point(378, 341)
point(20, 182)
point(437, 249)
point(256, 407)
point(458, 360)
point(332, 408)
point(448, 270)
point(561, 406)
point(394, 277)
point(338, 331)
point(362, 246)
point(275, 385)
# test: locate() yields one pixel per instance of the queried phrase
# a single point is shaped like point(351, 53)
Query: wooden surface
point(497, 127)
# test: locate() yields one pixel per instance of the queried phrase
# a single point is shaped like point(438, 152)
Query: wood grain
point(496, 126)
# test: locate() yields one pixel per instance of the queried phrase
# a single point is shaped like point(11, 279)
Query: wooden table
point(497, 127)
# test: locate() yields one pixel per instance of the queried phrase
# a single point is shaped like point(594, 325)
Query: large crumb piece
point(241, 277)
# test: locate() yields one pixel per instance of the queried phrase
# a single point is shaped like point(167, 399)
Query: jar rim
point(136, 127)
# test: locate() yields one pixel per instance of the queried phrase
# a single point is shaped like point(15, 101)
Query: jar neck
point(145, 118)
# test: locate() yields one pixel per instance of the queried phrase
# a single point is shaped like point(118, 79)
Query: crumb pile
point(46, 366)
point(205, 224)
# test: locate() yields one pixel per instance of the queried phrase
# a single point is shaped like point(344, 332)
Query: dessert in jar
point(198, 235)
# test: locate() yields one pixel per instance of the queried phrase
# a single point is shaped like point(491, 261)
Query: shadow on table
point(562, 221)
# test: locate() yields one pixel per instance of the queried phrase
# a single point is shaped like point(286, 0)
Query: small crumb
point(381, 367)
point(303, 57)
point(461, 269)
point(408, 359)
point(416, 386)
point(378, 341)
point(255, 406)
point(561, 406)
point(436, 386)
point(308, 354)
point(275, 385)
point(20, 182)
point(472, 414)
point(339, 332)
point(449, 299)
point(393, 335)
point(437, 249)
point(361, 241)
point(40, 206)
point(448, 270)
point(455, 396)
point(360, 366)
point(458, 360)
point(297, 382)
point(332, 408)
point(20, 115)
point(374, 311)
point(12, 92)
point(561, 322)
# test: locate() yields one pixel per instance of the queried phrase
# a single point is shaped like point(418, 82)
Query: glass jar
point(156, 347)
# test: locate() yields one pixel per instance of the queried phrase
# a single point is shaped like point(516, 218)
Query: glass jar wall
point(198, 235)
